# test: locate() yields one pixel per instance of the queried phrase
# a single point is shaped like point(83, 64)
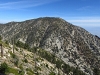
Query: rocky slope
point(74, 45)
point(23, 62)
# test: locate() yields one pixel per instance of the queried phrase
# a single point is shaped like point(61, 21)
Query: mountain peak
point(74, 45)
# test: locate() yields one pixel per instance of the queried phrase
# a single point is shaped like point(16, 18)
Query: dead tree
point(1, 50)
point(13, 42)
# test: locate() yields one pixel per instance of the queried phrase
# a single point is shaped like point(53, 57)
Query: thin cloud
point(24, 4)
point(85, 8)
point(92, 23)
point(84, 20)
point(87, 24)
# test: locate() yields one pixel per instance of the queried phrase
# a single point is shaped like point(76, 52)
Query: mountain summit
point(72, 44)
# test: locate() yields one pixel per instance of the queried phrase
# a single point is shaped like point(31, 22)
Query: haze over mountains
point(93, 30)
point(72, 44)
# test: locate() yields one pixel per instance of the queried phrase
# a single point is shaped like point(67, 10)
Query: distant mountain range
point(72, 44)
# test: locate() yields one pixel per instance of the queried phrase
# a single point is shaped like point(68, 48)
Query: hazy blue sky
point(84, 13)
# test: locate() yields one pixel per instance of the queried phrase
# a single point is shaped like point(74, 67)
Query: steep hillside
point(74, 45)
point(16, 60)
point(23, 62)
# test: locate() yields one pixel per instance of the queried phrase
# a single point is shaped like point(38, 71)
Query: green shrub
point(22, 45)
point(21, 67)
point(12, 55)
point(52, 73)
point(25, 60)
point(3, 68)
point(16, 48)
point(16, 62)
point(47, 65)
point(96, 71)
point(21, 72)
point(0, 37)
point(29, 71)
point(15, 59)
point(6, 42)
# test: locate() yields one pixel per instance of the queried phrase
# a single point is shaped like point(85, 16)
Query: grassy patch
point(12, 70)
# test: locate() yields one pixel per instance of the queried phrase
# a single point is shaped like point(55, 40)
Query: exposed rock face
point(74, 45)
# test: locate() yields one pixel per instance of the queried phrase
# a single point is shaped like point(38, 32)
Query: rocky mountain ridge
point(74, 45)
